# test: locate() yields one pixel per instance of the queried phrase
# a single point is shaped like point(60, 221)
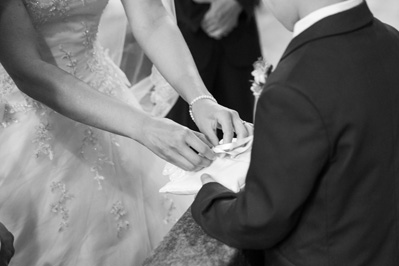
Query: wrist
point(199, 98)
point(137, 126)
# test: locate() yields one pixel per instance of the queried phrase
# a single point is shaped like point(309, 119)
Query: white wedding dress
point(72, 194)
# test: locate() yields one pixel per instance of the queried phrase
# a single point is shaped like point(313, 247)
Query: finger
point(210, 132)
point(205, 179)
point(207, 20)
point(213, 29)
point(173, 156)
point(226, 123)
point(201, 147)
point(203, 138)
point(240, 127)
point(198, 161)
point(250, 128)
point(217, 34)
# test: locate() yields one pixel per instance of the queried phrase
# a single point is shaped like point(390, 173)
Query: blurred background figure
point(223, 38)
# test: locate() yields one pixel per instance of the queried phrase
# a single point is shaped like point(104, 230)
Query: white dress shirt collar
point(321, 13)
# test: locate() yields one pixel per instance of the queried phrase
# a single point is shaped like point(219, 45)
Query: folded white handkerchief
point(229, 169)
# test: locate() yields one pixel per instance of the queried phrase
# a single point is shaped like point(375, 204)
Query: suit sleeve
point(289, 151)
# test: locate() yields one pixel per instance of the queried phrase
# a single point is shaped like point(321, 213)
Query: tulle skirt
point(76, 195)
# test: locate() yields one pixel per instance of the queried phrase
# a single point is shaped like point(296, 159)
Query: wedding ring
point(243, 122)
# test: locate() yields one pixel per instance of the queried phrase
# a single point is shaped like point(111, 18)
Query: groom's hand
point(7, 245)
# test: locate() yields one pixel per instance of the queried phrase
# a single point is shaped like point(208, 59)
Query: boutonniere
point(262, 70)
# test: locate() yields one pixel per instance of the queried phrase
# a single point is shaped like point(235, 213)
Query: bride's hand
point(210, 116)
point(176, 144)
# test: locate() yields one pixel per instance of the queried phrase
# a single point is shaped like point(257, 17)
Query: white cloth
point(324, 12)
point(229, 169)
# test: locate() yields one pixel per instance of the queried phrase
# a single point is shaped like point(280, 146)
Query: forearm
point(75, 99)
point(225, 216)
point(22, 54)
point(165, 46)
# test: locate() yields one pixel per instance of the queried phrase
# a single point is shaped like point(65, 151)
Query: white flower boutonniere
point(262, 70)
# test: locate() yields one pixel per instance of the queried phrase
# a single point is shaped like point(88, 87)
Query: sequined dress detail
point(72, 194)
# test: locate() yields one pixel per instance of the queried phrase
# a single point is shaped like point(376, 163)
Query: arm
point(21, 55)
point(289, 151)
point(164, 44)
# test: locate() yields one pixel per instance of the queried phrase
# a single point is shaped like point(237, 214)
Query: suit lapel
point(346, 21)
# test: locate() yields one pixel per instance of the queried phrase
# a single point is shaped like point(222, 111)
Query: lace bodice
point(69, 28)
point(45, 11)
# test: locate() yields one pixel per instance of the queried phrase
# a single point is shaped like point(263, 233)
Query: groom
point(323, 184)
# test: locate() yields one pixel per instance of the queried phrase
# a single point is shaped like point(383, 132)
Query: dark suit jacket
point(241, 46)
point(323, 184)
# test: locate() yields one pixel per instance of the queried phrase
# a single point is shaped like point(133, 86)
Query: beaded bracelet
point(202, 97)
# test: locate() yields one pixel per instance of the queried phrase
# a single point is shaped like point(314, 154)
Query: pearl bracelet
point(202, 97)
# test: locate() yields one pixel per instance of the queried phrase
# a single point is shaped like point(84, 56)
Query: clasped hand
point(221, 18)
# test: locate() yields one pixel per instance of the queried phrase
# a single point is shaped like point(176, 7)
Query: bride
point(78, 180)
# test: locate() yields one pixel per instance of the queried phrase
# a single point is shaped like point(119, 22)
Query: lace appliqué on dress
point(120, 213)
point(92, 152)
point(7, 87)
point(171, 209)
point(60, 206)
point(41, 11)
point(89, 34)
point(13, 102)
point(42, 140)
point(107, 80)
point(71, 62)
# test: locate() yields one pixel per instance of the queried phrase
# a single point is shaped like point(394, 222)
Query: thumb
point(205, 178)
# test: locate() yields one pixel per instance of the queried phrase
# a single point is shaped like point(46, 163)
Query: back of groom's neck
point(305, 7)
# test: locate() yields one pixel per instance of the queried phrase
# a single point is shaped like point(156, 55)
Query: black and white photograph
point(199, 133)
